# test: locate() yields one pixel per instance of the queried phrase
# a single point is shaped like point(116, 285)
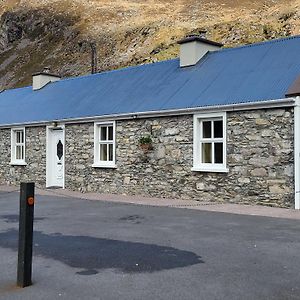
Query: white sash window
point(104, 145)
point(210, 142)
point(18, 146)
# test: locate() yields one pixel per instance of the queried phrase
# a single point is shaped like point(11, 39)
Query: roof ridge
point(260, 43)
point(147, 65)
point(98, 74)
point(175, 59)
point(5, 90)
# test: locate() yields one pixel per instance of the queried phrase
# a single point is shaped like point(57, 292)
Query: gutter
point(286, 102)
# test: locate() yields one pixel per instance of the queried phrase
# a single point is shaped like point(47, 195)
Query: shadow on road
point(93, 254)
point(15, 218)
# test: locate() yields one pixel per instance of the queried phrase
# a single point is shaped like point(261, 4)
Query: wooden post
point(25, 234)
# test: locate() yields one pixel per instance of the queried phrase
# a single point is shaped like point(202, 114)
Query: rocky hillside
point(58, 33)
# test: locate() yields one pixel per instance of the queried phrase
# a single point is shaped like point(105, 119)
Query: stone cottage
point(223, 125)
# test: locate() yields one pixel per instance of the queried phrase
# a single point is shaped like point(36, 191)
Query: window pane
point(22, 152)
point(22, 136)
point(103, 133)
point(218, 153)
point(59, 150)
point(103, 152)
point(110, 152)
point(17, 136)
point(218, 129)
point(206, 153)
point(19, 152)
point(206, 129)
point(110, 133)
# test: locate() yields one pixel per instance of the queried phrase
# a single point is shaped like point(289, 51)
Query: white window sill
point(104, 166)
point(210, 170)
point(18, 163)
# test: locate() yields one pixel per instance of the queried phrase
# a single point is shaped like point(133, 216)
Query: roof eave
point(286, 102)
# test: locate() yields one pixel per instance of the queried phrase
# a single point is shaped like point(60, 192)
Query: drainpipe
point(297, 151)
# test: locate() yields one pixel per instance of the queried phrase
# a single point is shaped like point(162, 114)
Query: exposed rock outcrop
point(58, 33)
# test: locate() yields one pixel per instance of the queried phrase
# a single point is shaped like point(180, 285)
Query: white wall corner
point(297, 151)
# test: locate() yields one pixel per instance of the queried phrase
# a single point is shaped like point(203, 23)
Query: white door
point(55, 158)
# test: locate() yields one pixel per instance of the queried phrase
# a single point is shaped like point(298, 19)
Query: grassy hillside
point(57, 33)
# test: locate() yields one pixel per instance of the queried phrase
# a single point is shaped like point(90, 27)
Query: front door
point(55, 157)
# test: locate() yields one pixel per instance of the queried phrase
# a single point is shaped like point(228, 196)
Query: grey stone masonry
point(35, 157)
point(259, 158)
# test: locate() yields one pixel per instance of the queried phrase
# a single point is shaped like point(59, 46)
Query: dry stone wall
point(259, 158)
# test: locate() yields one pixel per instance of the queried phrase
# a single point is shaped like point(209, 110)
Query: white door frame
point(48, 156)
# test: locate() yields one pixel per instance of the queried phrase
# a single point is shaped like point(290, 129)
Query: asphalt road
point(99, 250)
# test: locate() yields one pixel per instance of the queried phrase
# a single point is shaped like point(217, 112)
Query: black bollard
point(25, 234)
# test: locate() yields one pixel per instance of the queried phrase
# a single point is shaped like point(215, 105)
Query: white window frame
point(198, 165)
point(97, 162)
point(14, 160)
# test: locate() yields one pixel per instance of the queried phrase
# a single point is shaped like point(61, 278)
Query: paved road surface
point(101, 250)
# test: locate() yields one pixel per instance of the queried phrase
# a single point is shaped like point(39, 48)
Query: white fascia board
point(286, 102)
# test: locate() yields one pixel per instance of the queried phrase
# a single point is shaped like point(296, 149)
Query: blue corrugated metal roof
point(251, 73)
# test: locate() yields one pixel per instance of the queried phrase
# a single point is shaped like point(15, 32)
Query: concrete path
point(87, 249)
point(254, 210)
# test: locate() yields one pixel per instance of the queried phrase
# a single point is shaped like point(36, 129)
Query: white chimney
point(193, 48)
point(39, 80)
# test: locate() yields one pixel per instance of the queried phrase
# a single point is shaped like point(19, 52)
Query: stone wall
point(259, 147)
point(260, 160)
point(35, 158)
point(261, 157)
